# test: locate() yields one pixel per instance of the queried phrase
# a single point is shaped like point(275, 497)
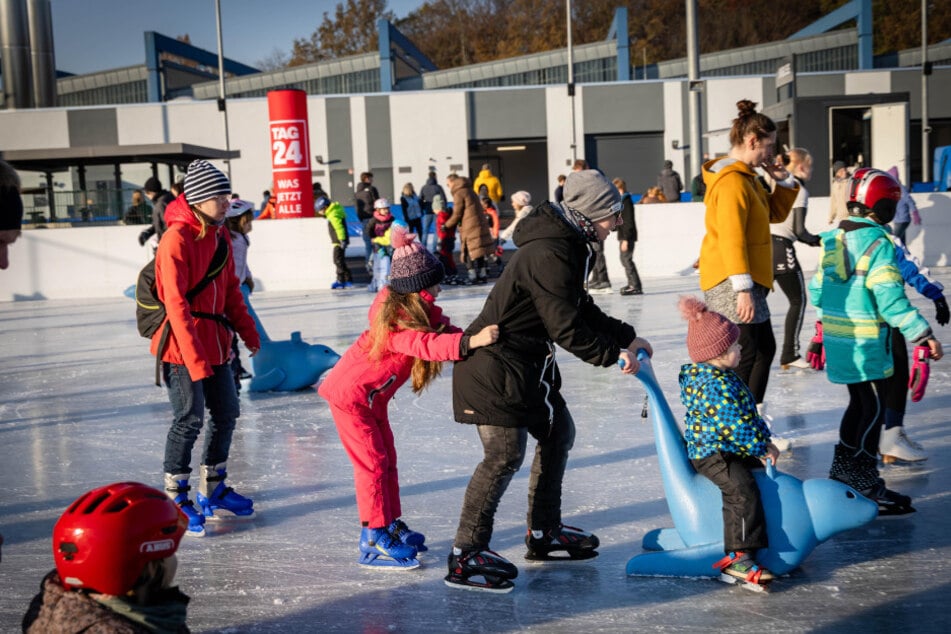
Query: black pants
point(340, 261)
point(503, 453)
point(744, 521)
point(627, 261)
point(861, 425)
point(794, 289)
point(896, 386)
point(759, 348)
point(599, 270)
point(416, 226)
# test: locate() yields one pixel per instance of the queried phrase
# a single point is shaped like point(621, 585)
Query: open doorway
point(521, 164)
point(850, 132)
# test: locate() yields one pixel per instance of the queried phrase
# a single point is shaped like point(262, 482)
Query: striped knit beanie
point(204, 181)
point(709, 334)
point(413, 268)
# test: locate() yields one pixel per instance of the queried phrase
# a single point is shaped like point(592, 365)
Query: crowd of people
point(506, 382)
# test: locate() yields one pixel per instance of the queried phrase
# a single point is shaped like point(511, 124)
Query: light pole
point(695, 92)
point(925, 71)
point(571, 85)
point(222, 105)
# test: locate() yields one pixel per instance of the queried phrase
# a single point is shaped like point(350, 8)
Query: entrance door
point(890, 138)
point(870, 136)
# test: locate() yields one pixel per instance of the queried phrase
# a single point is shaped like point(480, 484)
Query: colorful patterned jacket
point(721, 413)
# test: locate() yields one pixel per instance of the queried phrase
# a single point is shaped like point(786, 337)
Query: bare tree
point(276, 60)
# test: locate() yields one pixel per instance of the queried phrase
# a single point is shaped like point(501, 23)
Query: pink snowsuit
point(359, 391)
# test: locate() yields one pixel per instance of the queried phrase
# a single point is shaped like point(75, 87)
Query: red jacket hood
point(179, 211)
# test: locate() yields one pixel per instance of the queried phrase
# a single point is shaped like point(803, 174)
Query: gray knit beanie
point(591, 194)
point(204, 181)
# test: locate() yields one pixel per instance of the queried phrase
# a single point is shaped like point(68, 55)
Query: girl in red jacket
point(196, 355)
point(408, 337)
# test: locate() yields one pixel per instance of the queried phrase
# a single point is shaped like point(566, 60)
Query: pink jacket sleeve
point(430, 346)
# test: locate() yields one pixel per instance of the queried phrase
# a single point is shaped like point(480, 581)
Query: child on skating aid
point(238, 219)
point(408, 337)
point(339, 236)
point(859, 293)
point(726, 438)
point(378, 228)
point(114, 549)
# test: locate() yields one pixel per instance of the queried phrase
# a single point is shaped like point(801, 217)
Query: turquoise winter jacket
point(858, 292)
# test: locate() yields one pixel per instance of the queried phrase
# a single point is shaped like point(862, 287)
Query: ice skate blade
point(891, 514)
point(752, 587)
point(578, 555)
point(889, 459)
point(502, 586)
point(218, 515)
point(191, 533)
point(377, 562)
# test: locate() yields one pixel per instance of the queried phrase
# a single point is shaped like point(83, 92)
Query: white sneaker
point(798, 364)
point(895, 446)
point(783, 444)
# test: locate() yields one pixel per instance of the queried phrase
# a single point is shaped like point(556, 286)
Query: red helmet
point(874, 191)
point(103, 541)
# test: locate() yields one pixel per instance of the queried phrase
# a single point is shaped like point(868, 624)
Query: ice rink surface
point(79, 410)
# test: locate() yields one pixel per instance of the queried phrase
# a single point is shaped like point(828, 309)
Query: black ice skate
point(564, 543)
point(890, 503)
point(481, 570)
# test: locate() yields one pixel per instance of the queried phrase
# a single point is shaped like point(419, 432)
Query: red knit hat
point(709, 334)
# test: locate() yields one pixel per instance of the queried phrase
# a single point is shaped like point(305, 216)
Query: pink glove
point(816, 352)
point(918, 379)
point(915, 217)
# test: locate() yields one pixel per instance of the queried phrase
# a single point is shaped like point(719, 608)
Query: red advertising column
point(290, 153)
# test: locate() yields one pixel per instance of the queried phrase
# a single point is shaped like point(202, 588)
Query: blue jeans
point(429, 228)
point(189, 399)
point(504, 451)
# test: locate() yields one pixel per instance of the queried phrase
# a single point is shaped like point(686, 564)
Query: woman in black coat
point(512, 388)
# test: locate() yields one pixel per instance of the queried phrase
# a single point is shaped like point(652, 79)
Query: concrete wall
point(295, 255)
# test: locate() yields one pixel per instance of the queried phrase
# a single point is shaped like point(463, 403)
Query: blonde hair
point(403, 311)
point(137, 197)
point(203, 219)
point(798, 156)
point(408, 188)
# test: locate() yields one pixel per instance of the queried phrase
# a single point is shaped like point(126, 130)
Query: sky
point(95, 35)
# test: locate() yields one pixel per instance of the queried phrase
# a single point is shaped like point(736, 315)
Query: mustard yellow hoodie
point(739, 211)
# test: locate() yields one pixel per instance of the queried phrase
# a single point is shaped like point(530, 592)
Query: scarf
point(167, 616)
point(579, 222)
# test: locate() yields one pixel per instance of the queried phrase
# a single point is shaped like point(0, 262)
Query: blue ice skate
point(216, 499)
point(799, 514)
point(176, 486)
point(381, 549)
point(402, 532)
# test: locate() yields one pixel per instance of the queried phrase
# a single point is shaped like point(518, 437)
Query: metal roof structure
point(62, 159)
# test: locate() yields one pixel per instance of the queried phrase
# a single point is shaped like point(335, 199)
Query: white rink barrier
point(295, 255)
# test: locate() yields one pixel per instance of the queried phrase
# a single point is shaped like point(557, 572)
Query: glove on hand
point(941, 314)
point(915, 217)
point(144, 236)
point(816, 352)
point(920, 369)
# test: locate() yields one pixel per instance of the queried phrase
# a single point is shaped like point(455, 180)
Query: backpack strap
point(216, 266)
